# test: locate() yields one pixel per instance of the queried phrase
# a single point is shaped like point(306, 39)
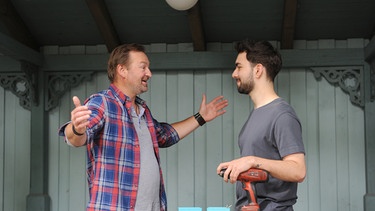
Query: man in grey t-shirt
point(271, 138)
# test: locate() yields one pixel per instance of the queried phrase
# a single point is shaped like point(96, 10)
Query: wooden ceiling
point(37, 23)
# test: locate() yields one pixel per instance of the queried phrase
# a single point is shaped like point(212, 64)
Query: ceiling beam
point(99, 11)
point(14, 49)
point(289, 23)
point(15, 26)
point(196, 28)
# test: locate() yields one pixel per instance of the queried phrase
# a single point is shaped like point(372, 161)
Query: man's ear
point(121, 70)
point(259, 70)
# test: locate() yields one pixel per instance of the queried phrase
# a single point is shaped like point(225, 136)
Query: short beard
point(245, 88)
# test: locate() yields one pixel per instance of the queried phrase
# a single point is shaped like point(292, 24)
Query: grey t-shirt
point(149, 177)
point(272, 131)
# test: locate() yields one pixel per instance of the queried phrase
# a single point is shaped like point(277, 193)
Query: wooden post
point(369, 198)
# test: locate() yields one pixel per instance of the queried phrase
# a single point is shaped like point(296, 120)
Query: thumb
point(203, 99)
point(76, 101)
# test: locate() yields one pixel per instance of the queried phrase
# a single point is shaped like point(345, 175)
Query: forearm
point(291, 169)
point(186, 126)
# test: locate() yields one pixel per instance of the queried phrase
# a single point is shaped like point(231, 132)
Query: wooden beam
point(15, 26)
point(196, 28)
point(16, 50)
point(289, 22)
point(99, 11)
point(208, 60)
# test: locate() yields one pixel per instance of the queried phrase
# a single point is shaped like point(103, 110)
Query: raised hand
point(79, 116)
point(213, 109)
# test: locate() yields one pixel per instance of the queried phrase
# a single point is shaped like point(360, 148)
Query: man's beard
point(245, 88)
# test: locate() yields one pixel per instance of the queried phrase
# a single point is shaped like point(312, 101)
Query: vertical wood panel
point(53, 157)
point(186, 146)
point(21, 156)
point(77, 162)
point(298, 102)
point(15, 158)
point(64, 156)
point(229, 142)
point(312, 143)
point(328, 160)
point(171, 176)
point(9, 164)
point(214, 143)
point(342, 150)
point(2, 145)
point(356, 136)
point(200, 145)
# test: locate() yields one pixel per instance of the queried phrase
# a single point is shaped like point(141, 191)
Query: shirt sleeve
point(166, 134)
point(288, 135)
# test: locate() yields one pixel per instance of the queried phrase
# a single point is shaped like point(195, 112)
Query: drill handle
point(250, 192)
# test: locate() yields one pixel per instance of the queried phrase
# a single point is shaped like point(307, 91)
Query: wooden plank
point(289, 21)
point(342, 148)
point(171, 176)
point(207, 60)
point(200, 144)
point(357, 169)
point(103, 20)
point(229, 142)
point(22, 156)
point(63, 179)
point(10, 153)
point(214, 143)
point(185, 147)
point(2, 142)
point(77, 162)
point(14, 49)
point(327, 147)
point(298, 102)
point(196, 28)
point(312, 143)
point(14, 24)
point(53, 153)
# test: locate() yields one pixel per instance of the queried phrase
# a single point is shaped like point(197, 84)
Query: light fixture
point(181, 4)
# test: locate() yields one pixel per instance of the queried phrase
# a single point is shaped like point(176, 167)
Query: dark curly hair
point(261, 52)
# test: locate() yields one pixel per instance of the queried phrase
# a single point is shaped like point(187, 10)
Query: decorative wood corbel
point(349, 78)
point(60, 82)
point(23, 84)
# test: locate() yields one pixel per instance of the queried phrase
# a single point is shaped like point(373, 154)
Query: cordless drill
point(248, 179)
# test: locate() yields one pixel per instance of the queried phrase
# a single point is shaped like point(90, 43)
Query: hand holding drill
point(248, 179)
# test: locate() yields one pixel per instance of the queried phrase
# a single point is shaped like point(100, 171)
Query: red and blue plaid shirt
point(113, 153)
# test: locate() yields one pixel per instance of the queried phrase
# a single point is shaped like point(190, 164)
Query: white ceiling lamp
point(181, 4)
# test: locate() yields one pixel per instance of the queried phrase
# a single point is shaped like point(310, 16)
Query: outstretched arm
point(208, 112)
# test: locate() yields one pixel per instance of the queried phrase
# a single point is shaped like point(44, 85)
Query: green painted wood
point(18, 51)
point(214, 140)
point(207, 60)
point(185, 168)
point(2, 140)
point(200, 144)
point(171, 176)
point(312, 143)
point(298, 101)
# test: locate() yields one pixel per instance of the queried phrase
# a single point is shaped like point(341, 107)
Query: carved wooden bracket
point(350, 79)
point(60, 82)
point(23, 84)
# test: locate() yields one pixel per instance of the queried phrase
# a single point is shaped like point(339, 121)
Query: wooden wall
point(333, 132)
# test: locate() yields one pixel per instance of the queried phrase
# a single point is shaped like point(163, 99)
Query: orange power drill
point(248, 179)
